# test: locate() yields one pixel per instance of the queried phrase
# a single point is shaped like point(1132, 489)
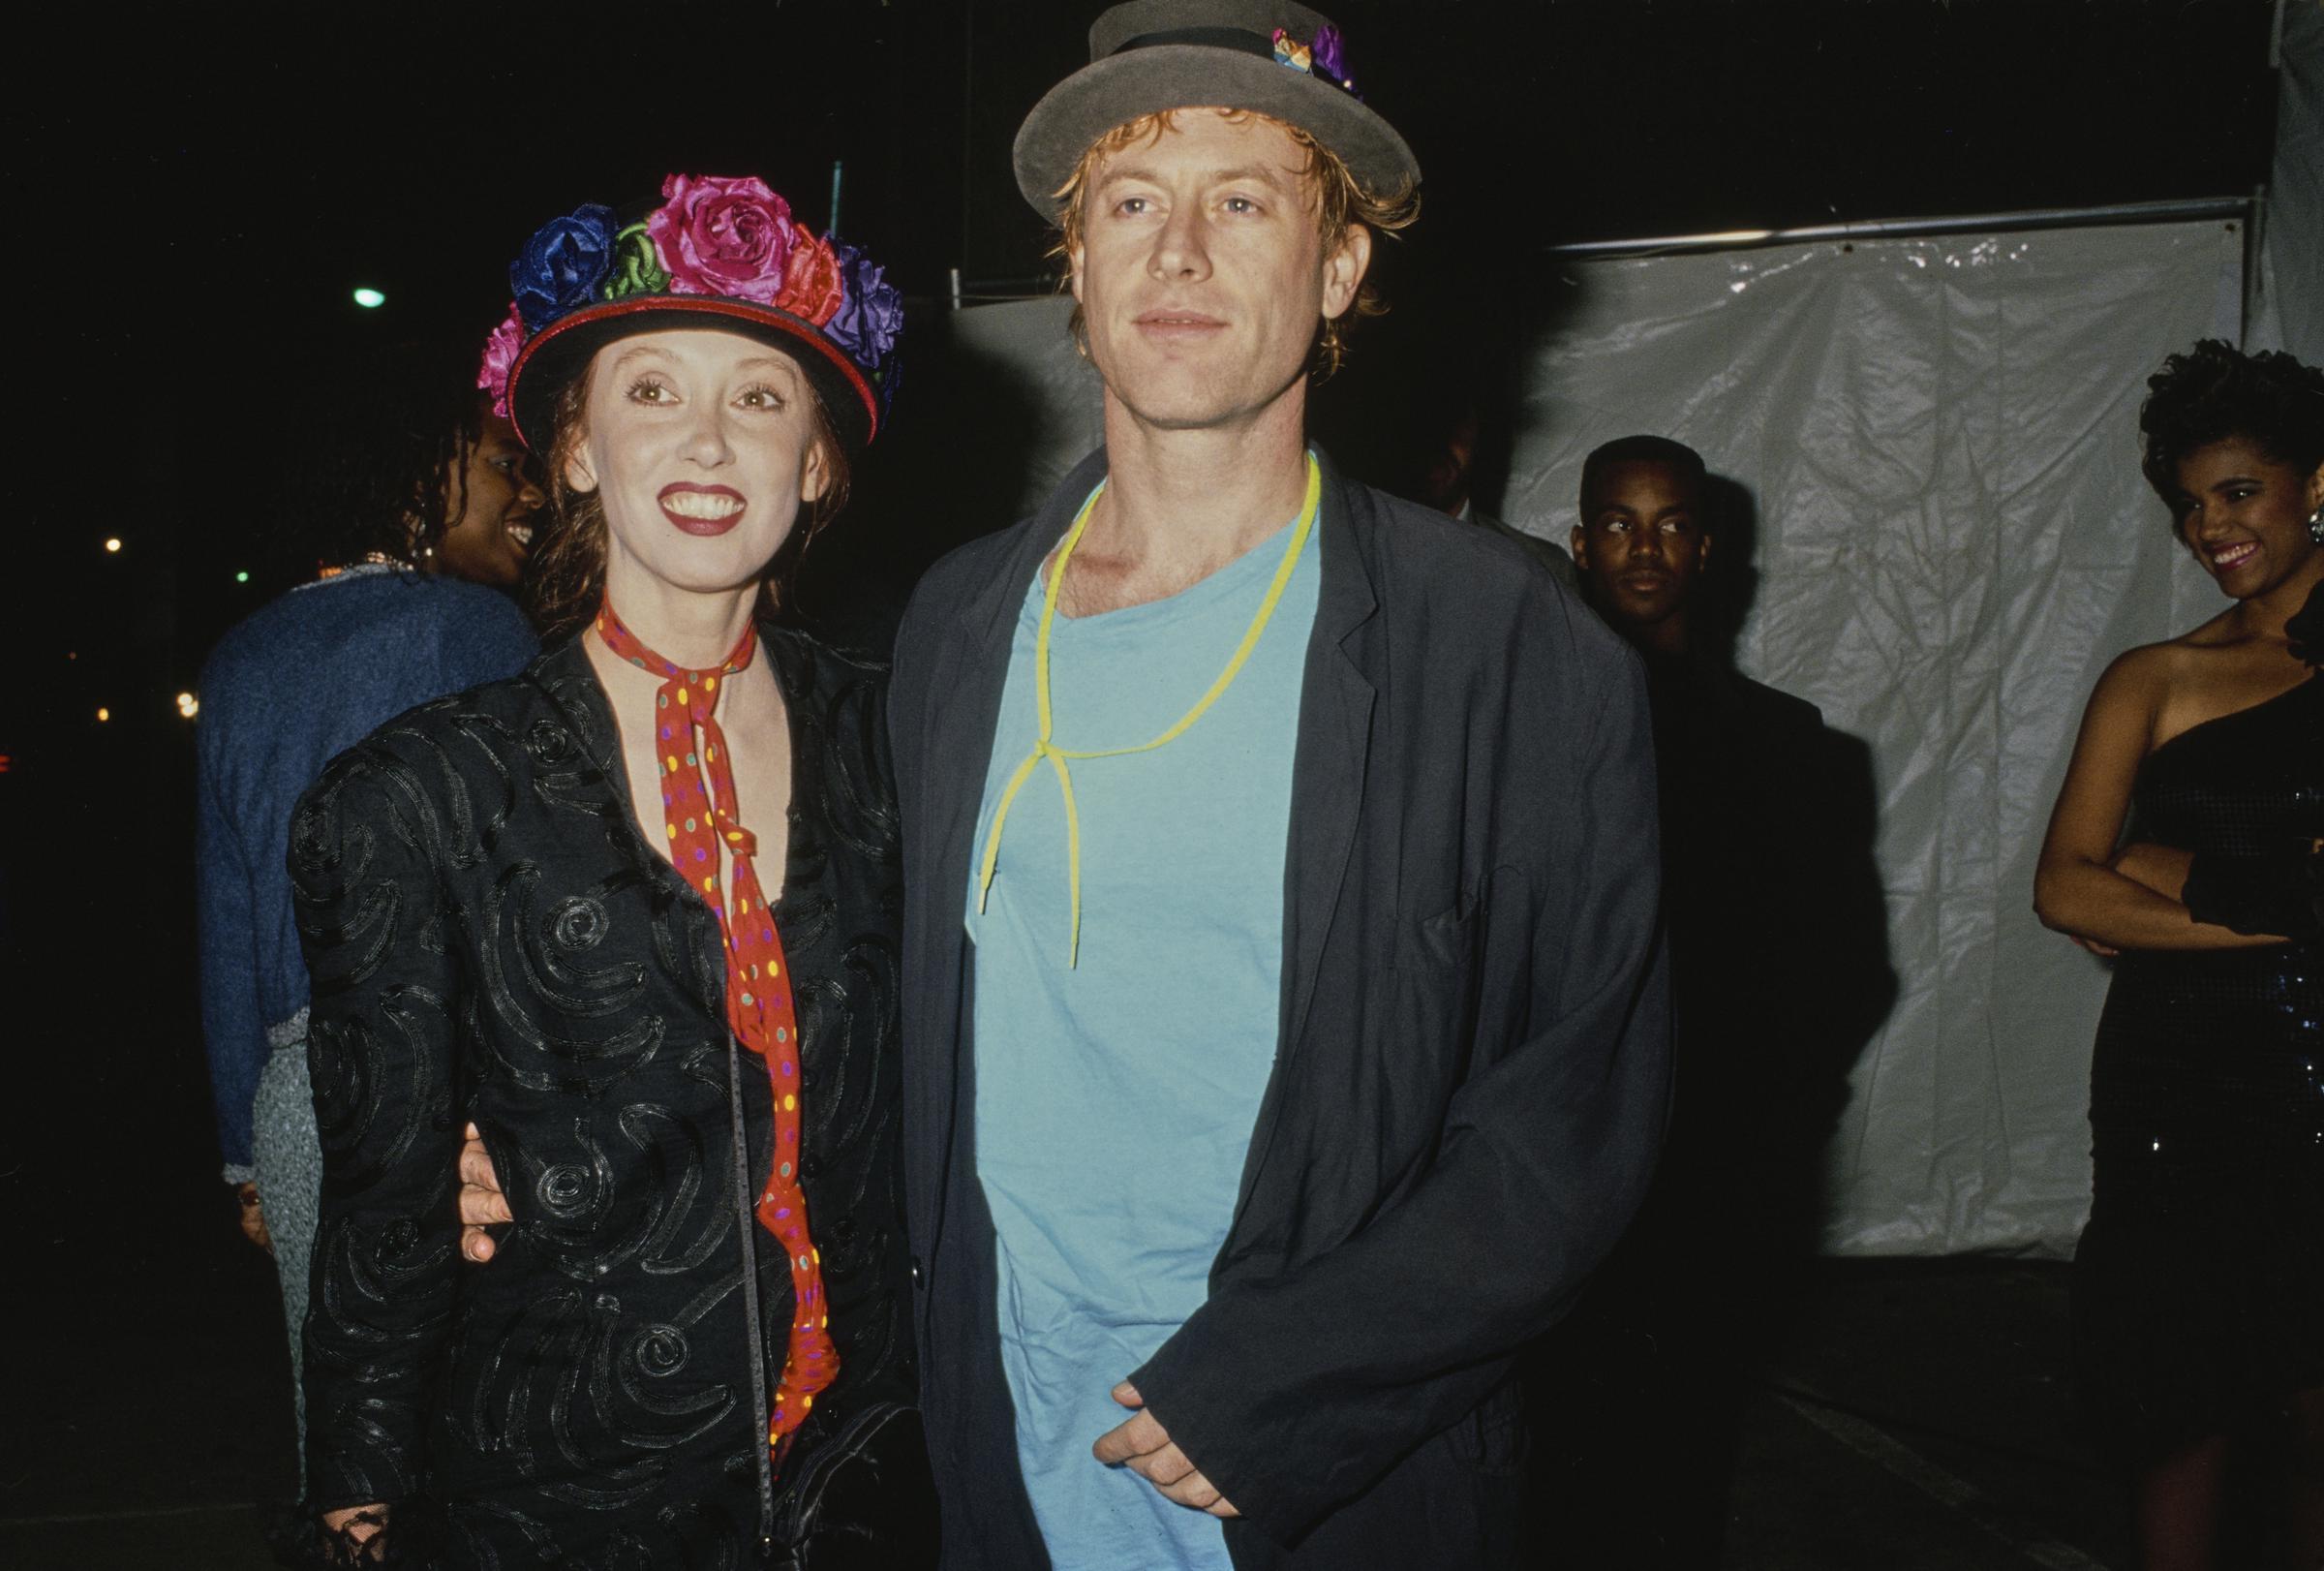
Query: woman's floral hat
point(717, 252)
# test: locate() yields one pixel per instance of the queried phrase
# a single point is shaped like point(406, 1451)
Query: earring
point(2316, 524)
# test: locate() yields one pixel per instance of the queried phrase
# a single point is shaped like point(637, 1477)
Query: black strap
point(1240, 40)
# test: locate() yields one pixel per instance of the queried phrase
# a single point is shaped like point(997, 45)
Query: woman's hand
point(2161, 868)
point(254, 1216)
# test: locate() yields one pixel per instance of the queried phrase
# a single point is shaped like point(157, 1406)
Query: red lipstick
point(702, 510)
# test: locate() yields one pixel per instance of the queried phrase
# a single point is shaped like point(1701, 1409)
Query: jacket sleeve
point(377, 932)
point(486, 642)
point(1296, 1392)
point(227, 938)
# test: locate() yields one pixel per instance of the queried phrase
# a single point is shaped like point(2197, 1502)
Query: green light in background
point(241, 578)
point(369, 298)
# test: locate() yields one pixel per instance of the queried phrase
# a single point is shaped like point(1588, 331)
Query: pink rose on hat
point(500, 354)
point(720, 235)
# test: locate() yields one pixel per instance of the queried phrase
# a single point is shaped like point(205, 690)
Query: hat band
point(1217, 38)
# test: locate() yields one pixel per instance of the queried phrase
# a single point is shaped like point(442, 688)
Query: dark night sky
point(216, 202)
point(193, 207)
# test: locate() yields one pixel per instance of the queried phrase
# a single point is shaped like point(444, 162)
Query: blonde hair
point(1342, 202)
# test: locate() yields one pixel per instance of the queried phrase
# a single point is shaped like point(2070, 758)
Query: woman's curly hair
point(2216, 392)
point(376, 453)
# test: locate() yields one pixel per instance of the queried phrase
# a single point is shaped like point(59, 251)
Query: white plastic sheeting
point(1941, 436)
point(1953, 539)
point(2290, 313)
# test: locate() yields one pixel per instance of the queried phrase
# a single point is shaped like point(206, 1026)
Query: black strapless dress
point(2199, 1282)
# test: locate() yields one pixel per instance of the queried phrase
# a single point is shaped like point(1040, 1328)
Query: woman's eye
point(647, 390)
point(760, 398)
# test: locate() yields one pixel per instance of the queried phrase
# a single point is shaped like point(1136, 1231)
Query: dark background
point(194, 200)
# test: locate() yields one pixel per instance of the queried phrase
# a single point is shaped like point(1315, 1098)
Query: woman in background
point(2199, 1282)
point(408, 494)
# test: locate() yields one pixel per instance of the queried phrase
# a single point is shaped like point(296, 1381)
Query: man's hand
point(1142, 1445)
point(355, 1533)
point(481, 1203)
point(254, 1216)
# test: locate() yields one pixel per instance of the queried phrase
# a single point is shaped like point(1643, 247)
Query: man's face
point(1201, 274)
point(1640, 543)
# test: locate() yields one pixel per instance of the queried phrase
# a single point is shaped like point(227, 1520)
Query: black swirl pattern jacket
point(490, 937)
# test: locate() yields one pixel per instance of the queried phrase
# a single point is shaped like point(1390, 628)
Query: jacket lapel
point(1339, 688)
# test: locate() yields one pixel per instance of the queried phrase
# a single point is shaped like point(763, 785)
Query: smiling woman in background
point(635, 914)
point(2199, 1282)
point(405, 485)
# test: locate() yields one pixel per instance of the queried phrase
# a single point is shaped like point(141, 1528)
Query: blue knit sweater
point(299, 681)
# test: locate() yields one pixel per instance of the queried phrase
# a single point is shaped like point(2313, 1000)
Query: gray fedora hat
point(1270, 56)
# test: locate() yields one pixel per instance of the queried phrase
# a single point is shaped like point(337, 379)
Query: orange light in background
point(104, 714)
point(188, 705)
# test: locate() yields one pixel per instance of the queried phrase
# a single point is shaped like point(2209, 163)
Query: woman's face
point(2244, 515)
point(491, 491)
point(700, 445)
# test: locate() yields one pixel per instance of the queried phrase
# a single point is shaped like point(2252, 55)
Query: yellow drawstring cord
point(1043, 748)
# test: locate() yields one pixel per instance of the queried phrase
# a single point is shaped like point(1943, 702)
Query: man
point(1451, 482)
point(1284, 1014)
point(1285, 1024)
point(1780, 973)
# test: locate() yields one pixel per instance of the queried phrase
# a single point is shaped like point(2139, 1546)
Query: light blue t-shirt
point(1116, 1100)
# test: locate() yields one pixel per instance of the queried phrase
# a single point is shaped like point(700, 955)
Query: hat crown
point(1116, 26)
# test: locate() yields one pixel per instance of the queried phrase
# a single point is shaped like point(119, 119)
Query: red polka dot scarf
point(759, 985)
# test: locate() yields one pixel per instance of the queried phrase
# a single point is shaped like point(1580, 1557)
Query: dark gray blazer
point(1474, 1066)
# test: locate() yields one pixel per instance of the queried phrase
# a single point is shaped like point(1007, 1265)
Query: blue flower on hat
point(563, 265)
point(871, 315)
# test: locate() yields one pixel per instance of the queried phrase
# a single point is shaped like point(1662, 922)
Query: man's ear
point(1579, 541)
point(1702, 552)
point(1344, 270)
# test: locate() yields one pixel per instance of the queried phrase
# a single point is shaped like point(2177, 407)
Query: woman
point(633, 913)
point(2199, 1282)
point(409, 484)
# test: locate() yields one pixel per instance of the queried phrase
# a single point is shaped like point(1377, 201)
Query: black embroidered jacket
point(491, 937)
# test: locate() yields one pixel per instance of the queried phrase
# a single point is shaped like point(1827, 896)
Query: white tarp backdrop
point(2290, 313)
point(1953, 538)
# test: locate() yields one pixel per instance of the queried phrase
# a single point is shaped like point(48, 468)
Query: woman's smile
point(702, 510)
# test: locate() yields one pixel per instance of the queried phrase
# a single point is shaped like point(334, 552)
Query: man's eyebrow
point(1266, 173)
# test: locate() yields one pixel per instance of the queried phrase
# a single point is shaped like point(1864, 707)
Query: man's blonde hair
point(1341, 201)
